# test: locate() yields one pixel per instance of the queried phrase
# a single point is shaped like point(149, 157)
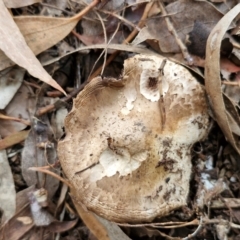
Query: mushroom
point(127, 147)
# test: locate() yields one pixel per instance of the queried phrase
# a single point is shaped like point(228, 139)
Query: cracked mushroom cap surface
point(127, 145)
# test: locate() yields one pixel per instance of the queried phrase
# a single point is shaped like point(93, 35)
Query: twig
point(172, 30)
point(122, 19)
point(231, 83)
point(106, 42)
point(165, 225)
point(168, 237)
point(233, 225)
point(161, 101)
point(46, 171)
point(196, 231)
point(51, 107)
point(5, 117)
point(232, 203)
point(32, 84)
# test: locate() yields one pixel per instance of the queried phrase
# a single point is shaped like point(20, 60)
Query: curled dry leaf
point(127, 145)
point(13, 44)
point(212, 77)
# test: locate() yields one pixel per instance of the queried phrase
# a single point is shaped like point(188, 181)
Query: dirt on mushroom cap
point(126, 161)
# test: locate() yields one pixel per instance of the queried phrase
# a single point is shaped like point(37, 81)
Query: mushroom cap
point(127, 145)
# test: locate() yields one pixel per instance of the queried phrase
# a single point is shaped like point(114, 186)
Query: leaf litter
point(32, 123)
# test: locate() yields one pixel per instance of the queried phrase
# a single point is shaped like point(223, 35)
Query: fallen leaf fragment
point(18, 4)
point(10, 81)
point(13, 44)
point(91, 222)
point(7, 189)
point(15, 228)
point(204, 12)
point(232, 114)
point(59, 227)
point(13, 139)
point(229, 66)
point(25, 220)
point(17, 112)
point(212, 74)
point(39, 150)
point(114, 231)
point(41, 33)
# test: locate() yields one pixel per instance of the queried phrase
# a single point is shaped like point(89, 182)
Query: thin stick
point(196, 231)
point(161, 101)
point(85, 10)
point(44, 170)
point(165, 225)
point(122, 19)
point(51, 107)
point(237, 84)
point(5, 117)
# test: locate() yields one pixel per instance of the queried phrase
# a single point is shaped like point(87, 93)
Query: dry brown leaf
point(212, 74)
point(10, 81)
point(7, 189)
point(41, 33)
point(13, 44)
point(114, 231)
point(16, 228)
point(17, 112)
point(232, 114)
point(102, 229)
point(182, 17)
point(18, 4)
point(59, 227)
point(39, 150)
point(13, 139)
point(91, 221)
